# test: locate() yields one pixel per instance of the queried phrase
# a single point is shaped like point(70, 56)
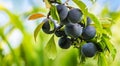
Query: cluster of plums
point(71, 27)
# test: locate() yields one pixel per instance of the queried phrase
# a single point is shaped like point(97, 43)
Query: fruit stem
point(48, 14)
point(66, 2)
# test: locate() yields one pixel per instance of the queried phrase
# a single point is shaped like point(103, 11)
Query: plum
point(87, 23)
point(88, 50)
point(62, 11)
point(73, 30)
point(60, 33)
point(46, 26)
point(89, 32)
point(65, 21)
point(75, 15)
point(64, 42)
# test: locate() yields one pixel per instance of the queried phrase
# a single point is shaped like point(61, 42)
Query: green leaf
point(96, 21)
point(59, 1)
point(102, 60)
point(82, 6)
point(82, 57)
point(93, 1)
point(48, 5)
point(54, 13)
point(52, 26)
point(14, 19)
point(102, 45)
point(38, 29)
point(51, 48)
point(110, 47)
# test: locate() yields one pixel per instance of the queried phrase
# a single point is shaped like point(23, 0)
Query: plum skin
point(88, 33)
point(75, 15)
point(46, 26)
point(65, 21)
point(64, 42)
point(88, 50)
point(62, 11)
point(73, 30)
point(88, 22)
point(60, 33)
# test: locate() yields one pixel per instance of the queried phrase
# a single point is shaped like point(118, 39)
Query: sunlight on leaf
point(82, 6)
point(102, 60)
point(106, 25)
point(54, 13)
point(51, 48)
point(110, 47)
point(36, 16)
point(96, 21)
point(48, 5)
point(93, 1)
point(38, 29)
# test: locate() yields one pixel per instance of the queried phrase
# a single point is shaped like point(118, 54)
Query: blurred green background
point(17, 45)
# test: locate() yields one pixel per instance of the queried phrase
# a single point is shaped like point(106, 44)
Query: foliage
point(31, 53)
point(101, 33)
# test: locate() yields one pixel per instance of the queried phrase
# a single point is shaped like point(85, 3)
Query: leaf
point(38, 29)
point(54, 13)
point(52, 25)
point(59, 1)
point(81, 56)
point(106, 25)
point(96, 21)
point(51, 48)
point(48, 5)
point(36, 16)
point(93, 1)
point(110, 47)
point(102, 45)
point(82, 6)
point(102, 60)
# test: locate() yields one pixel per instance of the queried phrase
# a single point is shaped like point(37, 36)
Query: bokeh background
point(17, 45)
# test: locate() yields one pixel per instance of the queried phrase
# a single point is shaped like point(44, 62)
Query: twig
point(70, 7)
point(48, 14)
point(66, 2)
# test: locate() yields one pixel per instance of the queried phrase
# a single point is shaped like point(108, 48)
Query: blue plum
point(88, 33)
point(75, 15)
point(62, 11)
point(65, 21)
point(64, 42)
point(46, 26)
point(73, 30)
point(88, 50)
point(60, 33)
point(87, 23)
